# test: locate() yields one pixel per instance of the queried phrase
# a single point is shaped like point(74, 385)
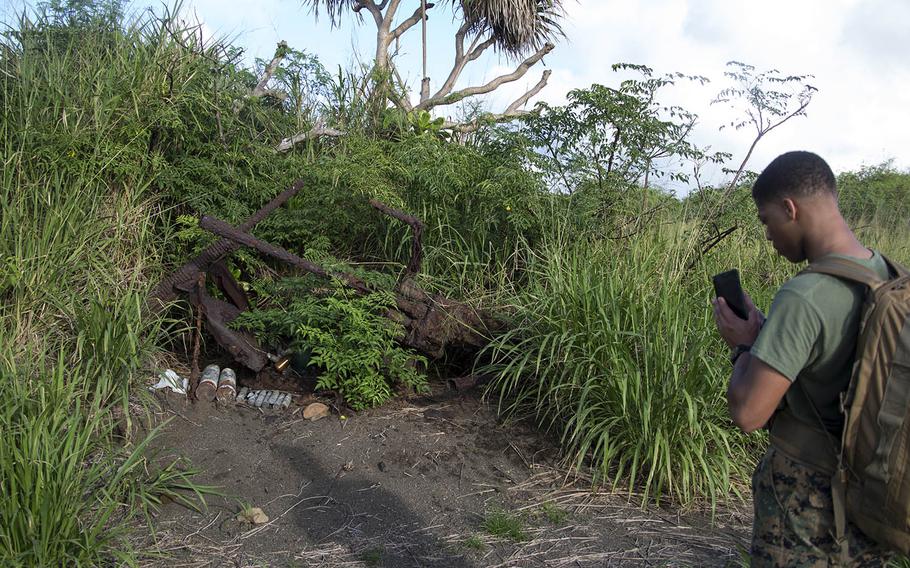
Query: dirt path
point(434, 482)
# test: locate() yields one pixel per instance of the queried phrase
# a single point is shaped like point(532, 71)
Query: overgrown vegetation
point(118, 131)
point(346, 337)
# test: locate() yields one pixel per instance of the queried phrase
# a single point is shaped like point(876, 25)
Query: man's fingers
point(722, 312)
point(722, 306)
point(749, 303)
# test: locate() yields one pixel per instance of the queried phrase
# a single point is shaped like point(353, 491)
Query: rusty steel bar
point(417, 228)
point(227, 231)
point(185, 277)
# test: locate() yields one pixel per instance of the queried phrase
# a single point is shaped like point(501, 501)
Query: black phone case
point(727, 286)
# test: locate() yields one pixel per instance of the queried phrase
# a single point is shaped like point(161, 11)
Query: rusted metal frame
point(431, 322)
point(424, 318)
point(183, 279)
point(238, 236)
point(228, 285)
point(242, 346)
point(417, 228)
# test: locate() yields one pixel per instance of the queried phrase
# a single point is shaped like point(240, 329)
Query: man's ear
point(790, 208)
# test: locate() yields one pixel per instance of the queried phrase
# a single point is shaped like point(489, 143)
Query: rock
point(315, 411)
point(253, 515)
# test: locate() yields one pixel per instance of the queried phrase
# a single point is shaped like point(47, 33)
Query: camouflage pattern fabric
point(794, 519)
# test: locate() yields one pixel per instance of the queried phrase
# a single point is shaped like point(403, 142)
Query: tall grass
point(614, 350)
point(71, 493)
point(80, 238)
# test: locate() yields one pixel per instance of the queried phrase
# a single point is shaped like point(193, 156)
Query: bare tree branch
point(390, 14)
point(372, 8)
point(510, 113)
point(490, 86)
point(409, 23)
point(260, 89)
point(523, 99)
point(318, 130)
point(280, 52)
point(461, 60)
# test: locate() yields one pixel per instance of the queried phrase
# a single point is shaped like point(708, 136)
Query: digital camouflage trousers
point(793, 521)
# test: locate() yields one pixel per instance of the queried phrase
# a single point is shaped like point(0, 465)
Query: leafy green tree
point(771, 100)
point(607, 142)
point(301, 83)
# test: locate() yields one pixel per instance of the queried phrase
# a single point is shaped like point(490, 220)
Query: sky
point(857, 51)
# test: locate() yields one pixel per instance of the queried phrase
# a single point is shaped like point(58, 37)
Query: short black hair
point(794, 174)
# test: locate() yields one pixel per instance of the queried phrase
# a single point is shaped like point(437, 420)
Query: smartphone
point(727, 286)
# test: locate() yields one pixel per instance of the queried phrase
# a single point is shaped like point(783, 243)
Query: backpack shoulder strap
point(847, 269)
point(897, 270)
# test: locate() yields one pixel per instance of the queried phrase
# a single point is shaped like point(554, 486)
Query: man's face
point(781, 228)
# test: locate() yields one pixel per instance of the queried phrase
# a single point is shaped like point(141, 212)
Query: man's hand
point(733, 330)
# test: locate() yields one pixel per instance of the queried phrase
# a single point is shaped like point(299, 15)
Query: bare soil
point(417, 482)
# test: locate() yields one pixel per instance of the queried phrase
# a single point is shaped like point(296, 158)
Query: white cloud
point(855, 50)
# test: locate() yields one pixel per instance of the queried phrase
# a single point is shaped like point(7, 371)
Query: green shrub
point(877, 194)
point(347, 336)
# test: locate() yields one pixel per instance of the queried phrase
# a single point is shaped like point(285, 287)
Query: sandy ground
point(414, 483)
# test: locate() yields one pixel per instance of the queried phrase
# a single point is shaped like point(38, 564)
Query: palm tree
point(516, 28)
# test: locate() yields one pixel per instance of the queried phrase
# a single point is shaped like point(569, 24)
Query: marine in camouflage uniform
point(793, 520)
point(807, 342)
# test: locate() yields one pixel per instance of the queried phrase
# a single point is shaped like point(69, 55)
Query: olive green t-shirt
point(810, 336)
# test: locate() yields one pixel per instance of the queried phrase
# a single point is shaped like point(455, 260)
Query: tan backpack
point(871, 486)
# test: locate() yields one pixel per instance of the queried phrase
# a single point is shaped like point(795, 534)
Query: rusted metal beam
point(228, 285)
point(242, 346)
point(184, 278)
point(227, 231)
point(417, 228)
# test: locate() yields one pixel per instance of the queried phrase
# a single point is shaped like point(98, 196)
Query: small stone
point(315, 411)
point(253, 515)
